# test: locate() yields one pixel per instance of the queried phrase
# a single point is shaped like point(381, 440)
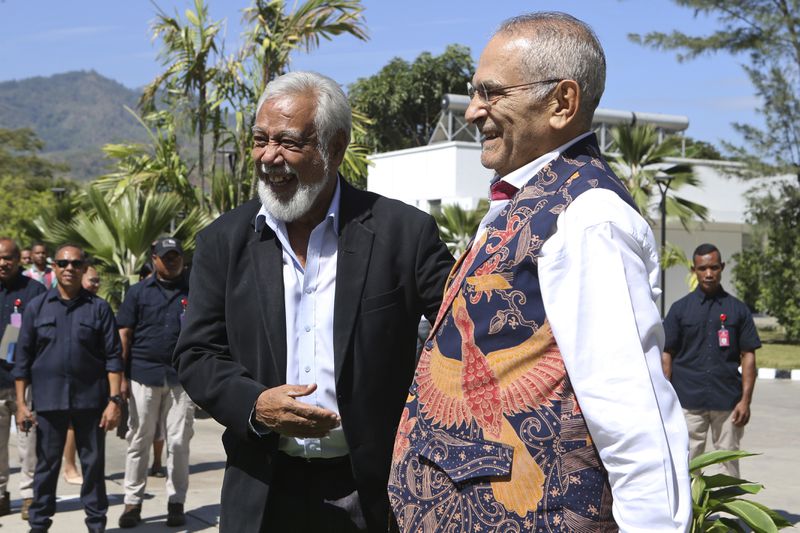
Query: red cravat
point(502, 190)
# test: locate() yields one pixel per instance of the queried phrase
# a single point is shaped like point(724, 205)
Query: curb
point(774, 373)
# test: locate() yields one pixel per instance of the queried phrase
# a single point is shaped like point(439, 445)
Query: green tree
point(457, 226)
point(154, 167)
point(403, 98)
point(188, 55)
point(27, 183)
point(273, 33)
point(769, 267)
point(702, 149)
point(118, 235)
point(639, 159)
point(19, 155)
point(766, 33)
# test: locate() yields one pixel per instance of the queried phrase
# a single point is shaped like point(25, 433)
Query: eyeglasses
point(62, 263)
point(489, 95)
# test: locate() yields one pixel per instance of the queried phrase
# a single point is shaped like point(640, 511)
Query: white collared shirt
point(520, 177)
point(599, 276)
point(308, 299)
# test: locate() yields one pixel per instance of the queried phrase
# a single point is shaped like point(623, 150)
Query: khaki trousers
point(148, 408)
point(26, 445)
point(724, 435)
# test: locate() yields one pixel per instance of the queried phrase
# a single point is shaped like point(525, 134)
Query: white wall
point(450, 172)
point(727, 237)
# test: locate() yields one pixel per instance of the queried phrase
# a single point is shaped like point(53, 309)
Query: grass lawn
point(775, 352)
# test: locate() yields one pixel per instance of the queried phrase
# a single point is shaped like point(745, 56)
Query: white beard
point(295, 207)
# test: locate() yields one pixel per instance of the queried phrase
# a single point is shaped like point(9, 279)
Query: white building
point(448, 170)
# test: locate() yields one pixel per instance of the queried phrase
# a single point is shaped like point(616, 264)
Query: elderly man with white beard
point(301, 335)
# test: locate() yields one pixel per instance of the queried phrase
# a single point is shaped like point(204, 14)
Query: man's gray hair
point(332, 116)
point(559, 46)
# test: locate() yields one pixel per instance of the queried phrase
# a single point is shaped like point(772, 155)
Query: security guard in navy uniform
point(16, 291)
point(69, 352)
point(150, 322)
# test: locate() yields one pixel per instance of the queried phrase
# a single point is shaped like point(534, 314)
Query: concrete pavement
point(774, 431)
point(202, 501)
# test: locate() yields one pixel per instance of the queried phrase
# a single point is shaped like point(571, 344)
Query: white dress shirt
point(518, 178)
point(599, 280)
point(309, 296)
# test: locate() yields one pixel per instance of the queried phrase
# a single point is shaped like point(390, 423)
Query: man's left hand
point(741, 414)
point(111, 416)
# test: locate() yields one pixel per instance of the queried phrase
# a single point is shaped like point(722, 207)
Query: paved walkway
point(774, 431)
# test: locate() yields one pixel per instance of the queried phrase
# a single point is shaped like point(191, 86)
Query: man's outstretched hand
point(278, 410)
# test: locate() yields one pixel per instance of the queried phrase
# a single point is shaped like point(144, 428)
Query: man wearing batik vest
point(539, 403)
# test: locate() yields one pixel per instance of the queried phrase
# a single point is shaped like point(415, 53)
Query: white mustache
point(284, 170)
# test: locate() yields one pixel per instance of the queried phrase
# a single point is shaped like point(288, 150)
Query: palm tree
point(187, 54)
point(157, 167)
point(457, 226)
point(274, 34)
point(118, 235)
point(638, 158)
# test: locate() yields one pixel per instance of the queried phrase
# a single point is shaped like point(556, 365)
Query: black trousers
point(90, 440)
point(313, 496)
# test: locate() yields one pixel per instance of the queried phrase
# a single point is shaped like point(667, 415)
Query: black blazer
point(391, 268)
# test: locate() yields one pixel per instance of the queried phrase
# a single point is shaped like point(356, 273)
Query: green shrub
point(720, 493)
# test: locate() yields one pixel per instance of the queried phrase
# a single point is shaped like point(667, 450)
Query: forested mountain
point(75, 114)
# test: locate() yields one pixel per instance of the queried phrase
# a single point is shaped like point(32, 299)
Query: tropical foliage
point(719, 502)
point(26, 182)
point(766, 35)
point(118, 235)
point(457, 226)
point(154, 167)
point(274, 33)
point(640, 160)
point(766, 271)
point(186, 53)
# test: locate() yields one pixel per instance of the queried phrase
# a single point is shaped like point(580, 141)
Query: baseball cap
point(167, 244)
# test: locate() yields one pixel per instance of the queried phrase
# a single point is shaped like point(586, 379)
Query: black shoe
point(157, 471)
point(175, 516)
point(37, 530)
point(131, 516)
point(5, 504)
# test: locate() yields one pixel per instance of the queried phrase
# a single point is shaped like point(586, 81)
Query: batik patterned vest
point(492, 437)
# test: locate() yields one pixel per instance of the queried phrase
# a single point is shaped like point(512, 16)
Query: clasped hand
point(24, 414)
point(278, 409)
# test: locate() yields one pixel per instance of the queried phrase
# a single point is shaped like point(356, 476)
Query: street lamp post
point(663, 181)
point(58, 192)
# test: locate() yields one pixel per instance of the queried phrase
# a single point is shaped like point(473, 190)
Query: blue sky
point(44, 37)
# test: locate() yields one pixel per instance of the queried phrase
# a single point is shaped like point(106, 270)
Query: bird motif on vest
point(483, 388)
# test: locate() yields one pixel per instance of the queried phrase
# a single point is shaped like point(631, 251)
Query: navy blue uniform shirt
point(153, 310)
point(705, 375)
point(66, 349)
point(24, 289)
